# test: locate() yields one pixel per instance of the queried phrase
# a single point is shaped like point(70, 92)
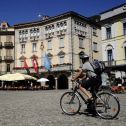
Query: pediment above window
point(34, 57)
point(107, 25)
point(61, 53)
point(22, 57)
point(81, 53)
point(49, 55)
point(109, 47)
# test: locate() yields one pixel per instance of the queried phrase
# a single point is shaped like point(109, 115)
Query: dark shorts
point(90, 83)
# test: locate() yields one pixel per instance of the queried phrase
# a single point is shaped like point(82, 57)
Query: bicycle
point(106, 104)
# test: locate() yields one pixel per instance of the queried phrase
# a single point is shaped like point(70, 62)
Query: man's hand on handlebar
point(72, 79)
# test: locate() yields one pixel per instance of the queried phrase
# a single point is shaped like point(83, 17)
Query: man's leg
point(87, 93)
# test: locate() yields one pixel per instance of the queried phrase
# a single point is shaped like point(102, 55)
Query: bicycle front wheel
point(70, 103)
point(107, 105)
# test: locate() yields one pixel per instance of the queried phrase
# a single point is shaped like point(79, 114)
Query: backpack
point(98, 67)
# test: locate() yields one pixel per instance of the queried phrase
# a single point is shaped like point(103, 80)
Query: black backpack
point(98, 66)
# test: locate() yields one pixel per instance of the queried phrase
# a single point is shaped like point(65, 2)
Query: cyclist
point(90, 80)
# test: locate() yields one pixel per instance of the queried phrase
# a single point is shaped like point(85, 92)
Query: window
point(95, 46)
point(108, 33)
point(124, 28)
point(4, 27)
point(22, 48)
point(49, 44)
point(94, 31)
point(61, 59)
point(110, 56)
point(34, 45)
point(8, 67)
point(81, 43)
point(61, 44)
point(34, 32)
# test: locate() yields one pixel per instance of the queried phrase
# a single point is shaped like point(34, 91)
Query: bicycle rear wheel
point(70, 103)
point(107, 105)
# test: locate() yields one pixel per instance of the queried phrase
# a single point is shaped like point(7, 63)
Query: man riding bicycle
point(90, 79)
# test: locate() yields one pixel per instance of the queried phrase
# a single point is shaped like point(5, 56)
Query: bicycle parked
point(105, 103)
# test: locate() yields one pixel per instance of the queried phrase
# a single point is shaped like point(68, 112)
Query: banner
point(26, 67)
point(47, 63)
point(35, 65)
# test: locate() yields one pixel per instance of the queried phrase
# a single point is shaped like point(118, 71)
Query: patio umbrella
point(16, 77)
point(42, 80)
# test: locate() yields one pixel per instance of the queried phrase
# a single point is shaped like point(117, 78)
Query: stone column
point(56, 83)
point(70, 85)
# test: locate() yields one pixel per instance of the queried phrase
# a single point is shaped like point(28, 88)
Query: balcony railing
point(115, 62)
point(8, 58)
point(0, 45)
point(8, 45)
point(110, 63)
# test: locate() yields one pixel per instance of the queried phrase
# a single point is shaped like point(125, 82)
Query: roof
point(113, 8)
point(50, 19)
point(113, 18)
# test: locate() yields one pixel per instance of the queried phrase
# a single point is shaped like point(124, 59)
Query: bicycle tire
point(109, 104)
point(70, 103)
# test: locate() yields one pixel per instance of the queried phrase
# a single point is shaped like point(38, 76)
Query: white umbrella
point(16, 77)
point(42, 80)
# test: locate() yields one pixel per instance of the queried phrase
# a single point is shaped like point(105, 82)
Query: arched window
point(109, 50)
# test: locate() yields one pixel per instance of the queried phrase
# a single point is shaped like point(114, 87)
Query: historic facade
point(6, 48)
point(113, 33)
point(62, 38)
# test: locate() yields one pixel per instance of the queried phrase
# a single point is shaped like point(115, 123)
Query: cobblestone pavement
point(41, 108)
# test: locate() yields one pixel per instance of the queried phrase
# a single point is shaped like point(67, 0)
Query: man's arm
point(77, 75)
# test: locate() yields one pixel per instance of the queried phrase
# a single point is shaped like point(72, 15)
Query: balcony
point(0, 45)
point(110, 63)
point(115, 63)
point(8, 45)
point(8, 59)
point(62, 67)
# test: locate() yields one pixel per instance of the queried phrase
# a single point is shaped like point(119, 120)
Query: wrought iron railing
point(115, 62)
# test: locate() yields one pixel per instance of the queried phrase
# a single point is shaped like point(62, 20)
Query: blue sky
point(20, 11)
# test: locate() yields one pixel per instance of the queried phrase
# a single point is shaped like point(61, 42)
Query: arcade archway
point(51, 82)
point(62, 82)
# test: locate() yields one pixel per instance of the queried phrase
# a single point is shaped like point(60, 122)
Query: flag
point(26, 67)
point(47, 63)
point(35, 65)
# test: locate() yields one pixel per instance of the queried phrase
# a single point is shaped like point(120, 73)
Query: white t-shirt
point(87, 66)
